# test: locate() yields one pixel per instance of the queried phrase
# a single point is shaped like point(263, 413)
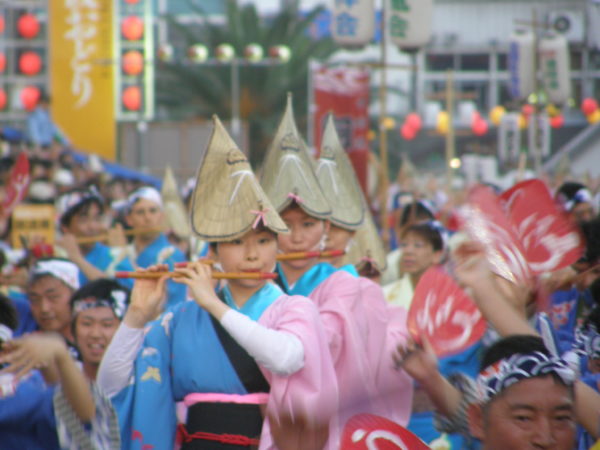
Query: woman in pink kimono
point(361, 328)
point(230, 357)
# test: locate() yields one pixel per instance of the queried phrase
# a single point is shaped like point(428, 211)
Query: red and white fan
point(444, 314)
point(369, 432)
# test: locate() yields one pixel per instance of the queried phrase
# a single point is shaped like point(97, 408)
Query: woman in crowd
point(360, 327)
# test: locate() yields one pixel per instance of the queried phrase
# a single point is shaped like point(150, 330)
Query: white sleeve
point(116, 366)
point(280, 352)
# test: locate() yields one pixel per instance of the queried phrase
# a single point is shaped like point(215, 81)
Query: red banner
point(344, 92)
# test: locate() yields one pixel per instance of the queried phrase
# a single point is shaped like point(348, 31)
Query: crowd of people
point(281, 322)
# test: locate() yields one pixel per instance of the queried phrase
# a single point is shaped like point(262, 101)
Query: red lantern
point(589, 106)
point(480, 127)
point(30, 63)
point(2, 24)
point(132, 28)
point(414, 121)
point(30, 95)
point(2, 62)
point(2, 98)
point(408, 132)
point(133, 62)
point(557, 121)
point(527, 110)
point(28, 26)
point(132, 98)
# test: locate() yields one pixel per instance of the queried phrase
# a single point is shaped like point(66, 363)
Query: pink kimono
point(303, 403)
point(362, 332)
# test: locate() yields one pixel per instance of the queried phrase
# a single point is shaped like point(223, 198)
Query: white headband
point(146, 193)
point(66, 271)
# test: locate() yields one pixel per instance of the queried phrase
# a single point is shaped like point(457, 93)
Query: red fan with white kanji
point(444, 314)
point(367, 432)
point(550, 238)
point(16, 188)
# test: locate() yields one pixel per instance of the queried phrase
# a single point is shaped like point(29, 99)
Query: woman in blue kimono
point(225, 356)
point(361, 329)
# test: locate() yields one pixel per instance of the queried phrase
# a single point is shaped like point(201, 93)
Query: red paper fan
point(443, 313)
point(485, 221)
point(550, 238)
point(16, 188)
point(366, 432)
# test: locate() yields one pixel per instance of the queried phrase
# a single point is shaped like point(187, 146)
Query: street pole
point(450, 142)
point(383, 147)
point(235, 101)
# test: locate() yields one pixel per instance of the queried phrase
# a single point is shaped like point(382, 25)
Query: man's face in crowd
point(93, 331)
point(87, 222)
point(49, 298)
point(145, 214)
point(537, 413)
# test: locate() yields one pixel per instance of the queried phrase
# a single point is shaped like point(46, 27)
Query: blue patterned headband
point(506, 372)
point(116, 302)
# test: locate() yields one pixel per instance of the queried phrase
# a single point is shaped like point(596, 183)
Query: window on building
point(502, 61)
point(576, 57)
point(474, 62)
point(439, 62)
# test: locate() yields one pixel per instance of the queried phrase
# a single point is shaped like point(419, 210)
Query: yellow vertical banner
point(82, 73)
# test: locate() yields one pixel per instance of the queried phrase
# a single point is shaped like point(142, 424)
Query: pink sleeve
point(362, 331)
point(310, 396)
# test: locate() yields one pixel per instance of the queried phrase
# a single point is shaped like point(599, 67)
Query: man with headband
point(51, 284)
point(97, 309)
point(151, 246)
point(525, 398)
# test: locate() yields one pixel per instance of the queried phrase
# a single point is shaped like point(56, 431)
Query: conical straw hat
point(367, 246)
point(288, 174)
point(228, 200)
point(175, 212)
point(338, 181)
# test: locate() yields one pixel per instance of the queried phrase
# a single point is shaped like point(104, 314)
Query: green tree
point(187, 91)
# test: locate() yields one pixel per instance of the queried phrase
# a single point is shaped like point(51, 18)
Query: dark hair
point(569, 189)
point(101, 288)
point(8, 313)
point(511, 345)
point(427, 232)
point(415, 211)
point(81, 208)
point(591, 235)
